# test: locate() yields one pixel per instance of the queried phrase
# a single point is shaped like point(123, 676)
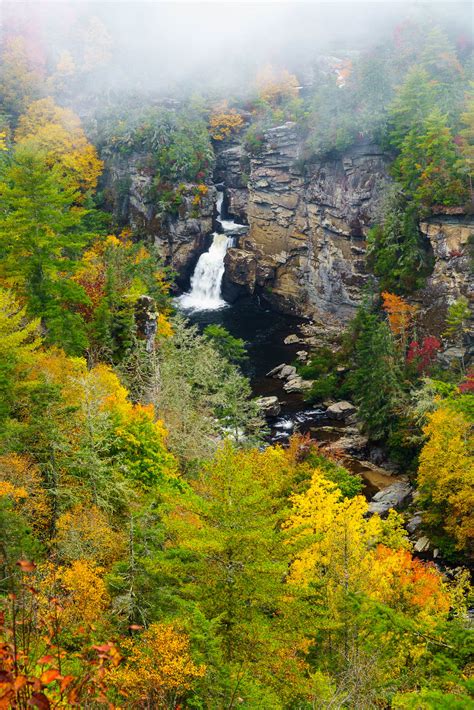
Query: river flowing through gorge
point(264, 332)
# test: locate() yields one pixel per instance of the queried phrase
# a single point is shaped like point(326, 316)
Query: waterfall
point(205, 291)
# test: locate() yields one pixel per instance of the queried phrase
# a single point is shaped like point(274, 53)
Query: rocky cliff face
point(232, 169)
point(451, 239)
point(306, 245)
point(180, 237)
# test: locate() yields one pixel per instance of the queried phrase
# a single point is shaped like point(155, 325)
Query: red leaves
point(45, 659)
point(108, 651)
point(467, 387)
point(423, 355)
point(20, 682)
point(65, 681)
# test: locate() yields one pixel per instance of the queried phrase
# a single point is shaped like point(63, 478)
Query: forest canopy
point(157, 550)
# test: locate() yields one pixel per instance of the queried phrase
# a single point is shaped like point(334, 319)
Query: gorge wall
point(308, 222)
point(306, 245)
point(304, 251)
point(180, 235)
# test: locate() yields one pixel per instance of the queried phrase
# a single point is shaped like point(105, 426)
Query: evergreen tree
point(414, 101)
point(439, 182)
point(427, 166)
point(40, 235)
point(229, 558)
point(446, 73)
point(377, 379)
point(396, 252)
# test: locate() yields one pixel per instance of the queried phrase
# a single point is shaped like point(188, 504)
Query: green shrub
point(323, 388)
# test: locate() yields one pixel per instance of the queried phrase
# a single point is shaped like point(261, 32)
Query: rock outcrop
point(181, 236)
point(340, 410)
point(305, 249)
point(452, 241)
point(269, 406)
point(232, 169)
point(396, 496)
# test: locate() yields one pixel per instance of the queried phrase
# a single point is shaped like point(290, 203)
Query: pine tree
point(376, 380)
point(228, 556)
point(415, 99)
point(396, 253)
point(466, 146)
point(427, 166)
point(40, 234)
point(439, 182)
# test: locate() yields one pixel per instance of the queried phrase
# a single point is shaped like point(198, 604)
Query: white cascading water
point(206, 282)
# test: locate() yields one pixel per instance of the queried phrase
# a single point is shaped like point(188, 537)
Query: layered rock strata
point(308, 222)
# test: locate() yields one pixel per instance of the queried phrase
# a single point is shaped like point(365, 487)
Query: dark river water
point(263, 331)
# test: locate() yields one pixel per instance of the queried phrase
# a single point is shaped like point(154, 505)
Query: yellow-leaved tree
point(224, 121)
point(351, 567)
point(18, 341)
point(446, 474)
point(72, 596)
point(19, 473)
point(57, 132)
point(335, 537)
point(158, 669)
point(276, 85)
point(85, 532)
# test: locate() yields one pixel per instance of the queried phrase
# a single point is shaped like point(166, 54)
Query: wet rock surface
point(450, 238)
point(340, 410)
point(270, 406)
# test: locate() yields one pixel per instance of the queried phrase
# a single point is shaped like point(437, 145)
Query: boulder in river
point(414, 523)
point(395, 496)
point(297, 384)
point(270, 406)
point(350, 442)
point(422, 544)
point(340, 410)
point(282, 372)
point(292, 339)
point(302, 355)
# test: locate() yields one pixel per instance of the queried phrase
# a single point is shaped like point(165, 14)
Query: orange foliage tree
point(407, 584)
point(276, 85)
point(401, 315)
